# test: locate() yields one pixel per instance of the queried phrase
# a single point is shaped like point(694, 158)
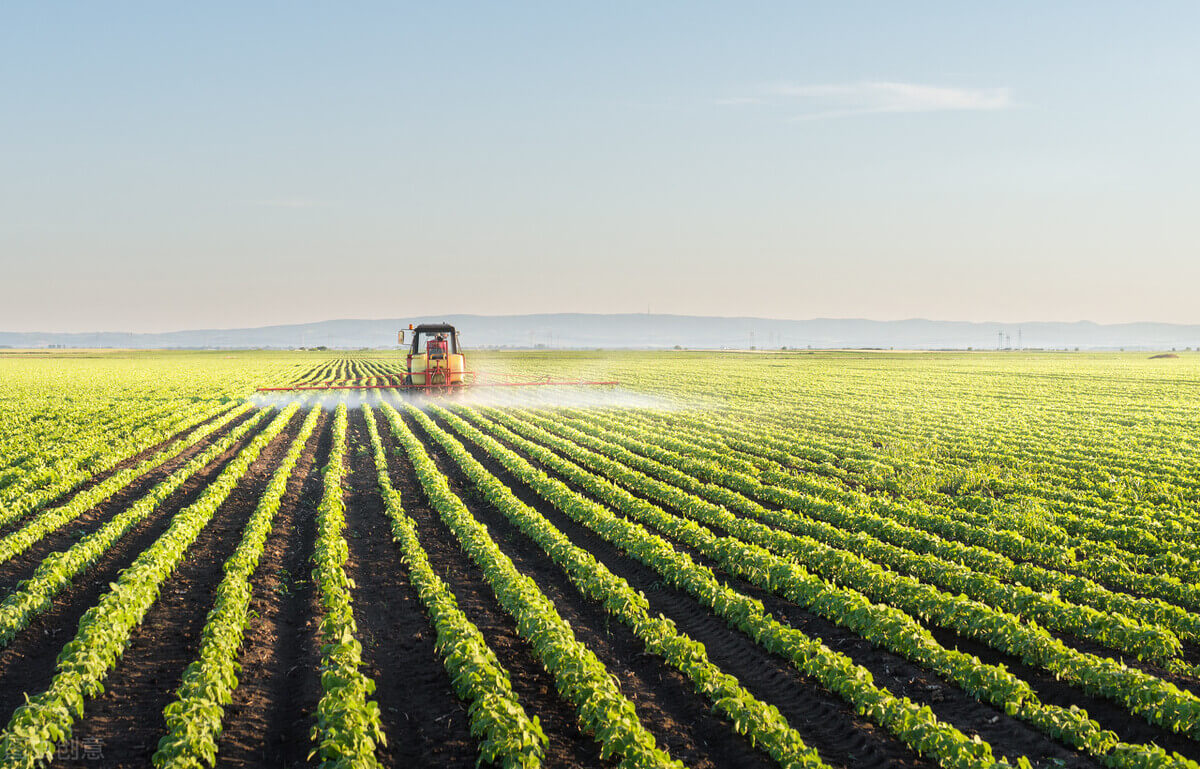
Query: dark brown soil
point(126, 720)
point(27, 664)
point(22, 566)
point(423, 719)
point(268, 722)
point(103, 475)
point(681, 720)
point(824, 720)
point(1050, 690)
point(1091, 647)
point(990, 723)
point(534, 687)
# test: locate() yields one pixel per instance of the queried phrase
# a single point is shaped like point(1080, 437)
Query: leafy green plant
point(509, 736)
point(761, 722)
point(45, 720)
point(889, 627)
point(347, 728)
point(194, 719)
point(603, 711)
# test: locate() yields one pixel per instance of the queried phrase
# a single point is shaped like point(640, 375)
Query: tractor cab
point(436, 347)
point(434, 358)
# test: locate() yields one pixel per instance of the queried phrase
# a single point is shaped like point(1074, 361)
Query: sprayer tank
point(419, 365)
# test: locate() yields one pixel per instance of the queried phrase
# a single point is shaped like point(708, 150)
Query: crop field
point(796, 559)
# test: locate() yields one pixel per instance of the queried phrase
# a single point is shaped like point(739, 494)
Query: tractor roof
point(434, 327)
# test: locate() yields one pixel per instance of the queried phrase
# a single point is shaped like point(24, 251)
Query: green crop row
point(762, 723)
point(1149, 542)
point(886, 626)
point(508, 736)
point(57, 450)
point(915, 725)
point(1113, 631)
point(26, 495)
point(776, 487)
point(50, 520)
point(44, 721)
point(1157, 701)
point(34, 595)
point(985, 532)
point(580, 677)
point(348, 728)
point(194, 719)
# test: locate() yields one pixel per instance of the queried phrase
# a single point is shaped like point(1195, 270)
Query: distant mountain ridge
point(631, 331)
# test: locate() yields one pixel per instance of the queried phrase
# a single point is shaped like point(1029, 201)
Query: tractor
point(435, 364)
point(434, 360)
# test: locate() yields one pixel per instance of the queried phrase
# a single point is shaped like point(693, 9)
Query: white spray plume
point(491, 388)
point(539, 397)
point(327, 400)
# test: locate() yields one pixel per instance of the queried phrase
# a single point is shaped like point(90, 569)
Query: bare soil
point(534, 687)
point(127, 719)
point(267, 723)
point(104, 475)
point(28, 662)
point(423, 719)
point(681, 720)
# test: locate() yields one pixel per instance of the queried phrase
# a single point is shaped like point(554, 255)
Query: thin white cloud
point(736, 100)
point(287, 203)
point(820, 102)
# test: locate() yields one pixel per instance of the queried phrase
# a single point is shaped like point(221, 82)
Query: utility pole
point(999, 340)
point(1020, 345)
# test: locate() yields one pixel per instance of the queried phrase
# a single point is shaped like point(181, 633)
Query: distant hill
point(655, 331)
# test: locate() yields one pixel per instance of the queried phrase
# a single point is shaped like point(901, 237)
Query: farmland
point(732, 560)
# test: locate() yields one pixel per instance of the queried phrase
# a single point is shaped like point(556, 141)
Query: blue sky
point(168, 166)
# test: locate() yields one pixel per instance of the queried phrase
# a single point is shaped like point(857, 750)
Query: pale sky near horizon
point(183, 165)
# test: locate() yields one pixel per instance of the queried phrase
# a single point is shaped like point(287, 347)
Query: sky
point(167, 166)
